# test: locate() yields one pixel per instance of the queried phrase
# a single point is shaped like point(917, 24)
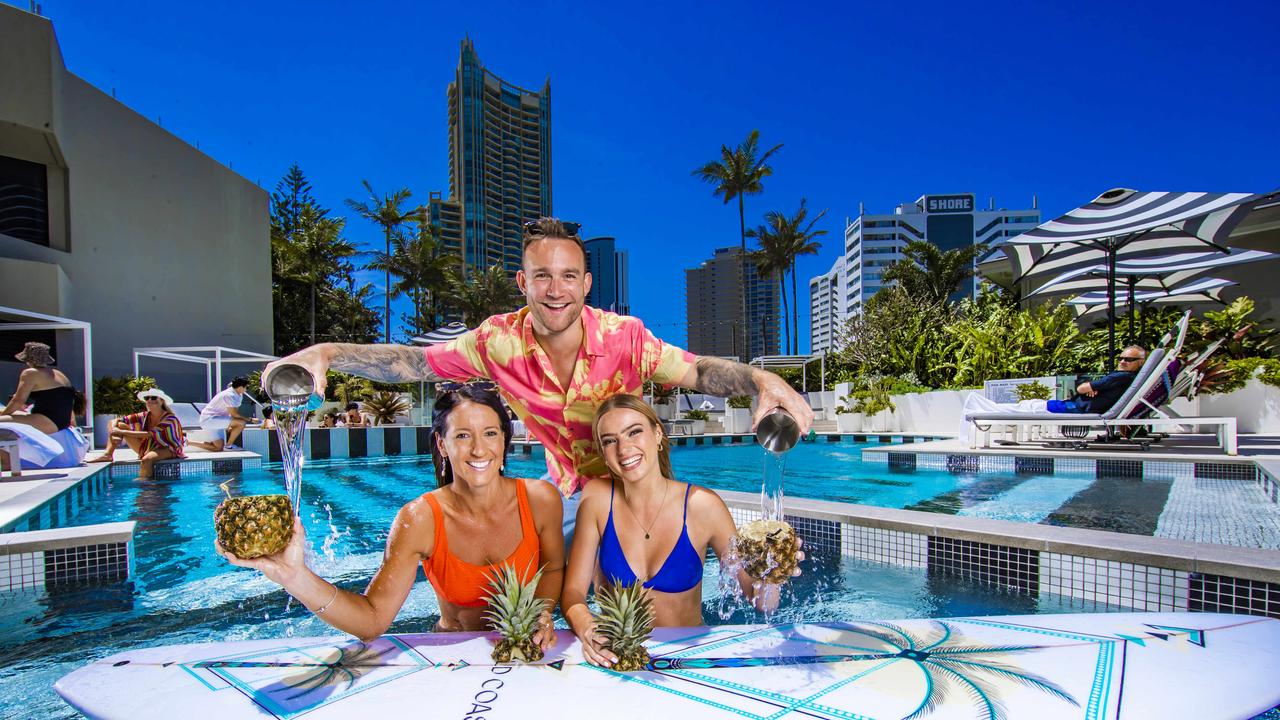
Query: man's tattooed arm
point(724, 378)
point(384, 363)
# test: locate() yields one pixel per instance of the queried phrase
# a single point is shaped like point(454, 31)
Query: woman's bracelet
point(321, 610)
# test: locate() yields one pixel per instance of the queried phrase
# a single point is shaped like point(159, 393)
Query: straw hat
point(155, 392)
point(35, 353)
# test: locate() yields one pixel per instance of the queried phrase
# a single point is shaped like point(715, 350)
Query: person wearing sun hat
point(45, 389)
point(155, 433)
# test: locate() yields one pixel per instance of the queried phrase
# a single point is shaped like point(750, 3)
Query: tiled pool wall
point(64, 500)
point(1045, 465)
point(188, 468)
point(326, 443)
point(1136, 572)
point(46, 559)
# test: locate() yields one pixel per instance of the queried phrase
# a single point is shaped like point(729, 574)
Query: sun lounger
point(1157, 370)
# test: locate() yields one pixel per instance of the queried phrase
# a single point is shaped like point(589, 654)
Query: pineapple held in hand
point(625, 620)
point(254, 526)
point(768, 549)
point(514, 611)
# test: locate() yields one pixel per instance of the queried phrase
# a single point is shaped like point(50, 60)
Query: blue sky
point(875, 103)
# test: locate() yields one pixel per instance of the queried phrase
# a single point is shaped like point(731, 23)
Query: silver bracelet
point(320, 610)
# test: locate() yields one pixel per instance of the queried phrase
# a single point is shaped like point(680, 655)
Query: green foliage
point(1232, 375)
point(872, 394)
point(932, 274)
point(994, 339)
point(848, 405)
point(482, 294)
point(696, 415)
point(1245, 335)
point(423, 270)
point(386, 212)
point(783, 239)
point(385, 406)
point(662, 394)
point(896, 334)
point(119, 395)
point(1034, 390)
point(346, 388)
point(740, 402)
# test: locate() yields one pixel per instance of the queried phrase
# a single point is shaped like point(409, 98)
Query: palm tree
point(312, 253)
point(385, 212)
point(483, 294)
point(930, 273)
point(771, 261)
point(783, 239)
point(421, 270)
point(737, 173)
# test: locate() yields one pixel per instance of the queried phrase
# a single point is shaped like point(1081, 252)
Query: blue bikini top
point(681, 571)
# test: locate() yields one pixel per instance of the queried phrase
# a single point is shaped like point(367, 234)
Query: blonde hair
point(549, 228)
point(631, 402)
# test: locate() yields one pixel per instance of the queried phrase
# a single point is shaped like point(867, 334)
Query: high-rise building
point(499, 165)
point(827, 308)
point(873, 242)
point(608, 267)
point(713, 297)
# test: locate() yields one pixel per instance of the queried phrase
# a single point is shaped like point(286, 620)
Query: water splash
point(291, 426)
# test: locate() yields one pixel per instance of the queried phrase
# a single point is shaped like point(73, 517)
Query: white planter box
point(664, 411)
point(102, 429)
point(849, 422)
point(881, 422)
point(1256, 407)
point(737, 420)
point(699, 427)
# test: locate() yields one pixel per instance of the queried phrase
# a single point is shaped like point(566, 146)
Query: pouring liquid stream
point(291, 427)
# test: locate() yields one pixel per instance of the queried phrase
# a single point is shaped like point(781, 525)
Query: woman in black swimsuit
point(47, 390)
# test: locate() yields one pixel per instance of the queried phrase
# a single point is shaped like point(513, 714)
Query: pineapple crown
point(626, 615)
point(513, 606)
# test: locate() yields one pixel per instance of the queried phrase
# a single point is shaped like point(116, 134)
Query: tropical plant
point(931, 273)
point(1034, 390)
point(513, 610)
point(740, 402)
point(739, 172)
point(312, 253)
point(385, 211)
point(1243, 335)
point(662, 394)
point(421, 270)
point(783, 239)
point(385, 407)
point(848, 405)
point(991, 339)
point(119, 395)
point(895, 334)
point(771, 262)
point(1231, 375)
point(696, 415)
point(485, 293)
point(346, 388)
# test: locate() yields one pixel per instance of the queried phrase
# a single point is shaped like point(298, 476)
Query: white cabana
point(13, 319)
point(766, 362)
point(211, 356)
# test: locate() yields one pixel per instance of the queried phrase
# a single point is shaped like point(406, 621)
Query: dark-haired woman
point(475, 522)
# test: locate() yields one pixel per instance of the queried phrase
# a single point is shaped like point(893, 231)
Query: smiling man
point(555, 360)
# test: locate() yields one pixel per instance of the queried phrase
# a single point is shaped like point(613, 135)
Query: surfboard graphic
point(1044, 666)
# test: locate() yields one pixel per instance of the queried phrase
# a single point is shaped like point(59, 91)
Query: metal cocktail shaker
point(290, 387)
point(778, 432)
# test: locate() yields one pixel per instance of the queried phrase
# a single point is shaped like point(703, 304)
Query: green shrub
point(696, 415)
point(119, 395)
point(848, 405)
point(1034, 390)
point(1233, 374)
point(740, 402)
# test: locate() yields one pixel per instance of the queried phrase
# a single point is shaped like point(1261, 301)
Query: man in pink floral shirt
point(556, 360)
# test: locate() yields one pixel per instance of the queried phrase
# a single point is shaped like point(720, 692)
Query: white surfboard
point(1123, 665)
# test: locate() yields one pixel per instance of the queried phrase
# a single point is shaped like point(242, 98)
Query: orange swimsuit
point(464, 584)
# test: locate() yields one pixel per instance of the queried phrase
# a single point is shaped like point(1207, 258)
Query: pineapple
point(768, 550)
point(513, 612)
point(625, 620)
point(253, 526)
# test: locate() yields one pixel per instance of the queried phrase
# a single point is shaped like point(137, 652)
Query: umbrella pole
point(1133, 279)
point(1111, 306)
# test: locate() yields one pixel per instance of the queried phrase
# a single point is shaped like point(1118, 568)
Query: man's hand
point(774, 393)
point(314, 359)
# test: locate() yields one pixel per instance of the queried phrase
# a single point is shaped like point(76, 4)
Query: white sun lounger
point(1118, 415)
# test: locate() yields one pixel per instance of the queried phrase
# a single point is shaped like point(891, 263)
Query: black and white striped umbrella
point(442, 334)
point(1151, 274)
point(1099, 231)
point(1202, 290)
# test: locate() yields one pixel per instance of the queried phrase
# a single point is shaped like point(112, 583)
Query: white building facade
point(827, 294)
point(874, 242)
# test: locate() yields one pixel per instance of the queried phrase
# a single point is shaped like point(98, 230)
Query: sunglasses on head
point(477, 384)
point(571, 228)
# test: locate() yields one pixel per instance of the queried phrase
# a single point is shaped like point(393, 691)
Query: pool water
point(182, 592)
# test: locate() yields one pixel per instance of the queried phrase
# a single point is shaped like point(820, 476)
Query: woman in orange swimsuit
point(476, 521)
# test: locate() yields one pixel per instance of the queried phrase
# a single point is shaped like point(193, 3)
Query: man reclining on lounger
point(1095, 396)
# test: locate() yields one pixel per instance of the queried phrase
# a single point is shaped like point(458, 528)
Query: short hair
point(352, 406)
point(266, 411)
point(445, 405)
point(631, 402)
point(1139, 348)
point(240, 381)
point(550, 228)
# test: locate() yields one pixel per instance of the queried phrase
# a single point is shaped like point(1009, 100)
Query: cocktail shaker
point(778, 432)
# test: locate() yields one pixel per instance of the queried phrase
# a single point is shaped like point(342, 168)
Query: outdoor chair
point(1159, 369)
point(9, 447)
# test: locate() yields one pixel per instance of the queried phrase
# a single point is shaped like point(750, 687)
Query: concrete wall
point(163, 244)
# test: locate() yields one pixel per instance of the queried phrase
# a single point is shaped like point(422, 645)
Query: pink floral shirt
point(618, 354)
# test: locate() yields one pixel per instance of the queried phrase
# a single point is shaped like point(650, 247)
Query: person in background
point(45, 389)
point(155, 434)
point(222, 415)
point(353, 417)
point(268, 421)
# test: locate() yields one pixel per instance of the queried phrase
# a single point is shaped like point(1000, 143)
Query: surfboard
point(1122, 665)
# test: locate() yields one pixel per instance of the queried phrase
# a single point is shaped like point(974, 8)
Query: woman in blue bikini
point(642, 525)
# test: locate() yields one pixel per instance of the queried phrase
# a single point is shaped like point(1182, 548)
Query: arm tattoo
point(384, 363)
point(724, 378)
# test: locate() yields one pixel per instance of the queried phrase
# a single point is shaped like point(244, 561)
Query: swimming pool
point(182, 592)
